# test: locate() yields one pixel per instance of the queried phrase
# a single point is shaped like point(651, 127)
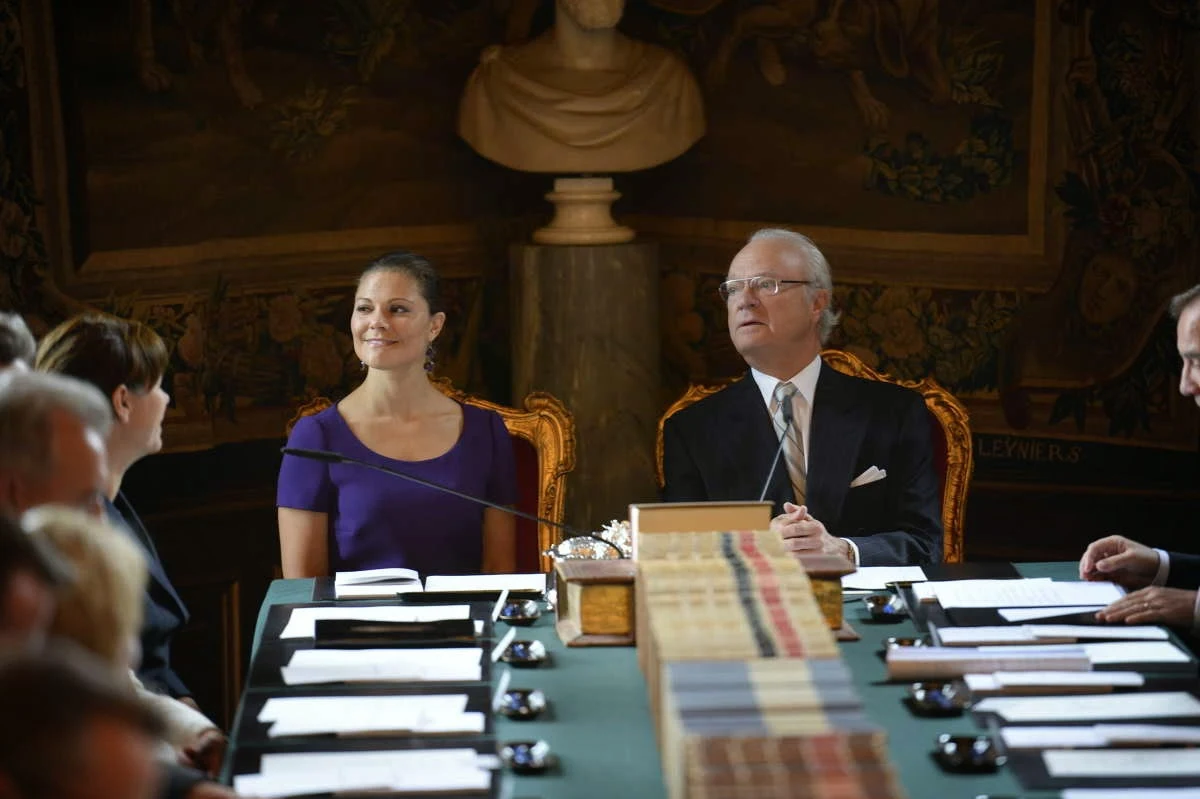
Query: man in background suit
point(1167, 582)
point(859, 480)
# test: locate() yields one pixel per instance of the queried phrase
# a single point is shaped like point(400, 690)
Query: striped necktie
point(793, 448)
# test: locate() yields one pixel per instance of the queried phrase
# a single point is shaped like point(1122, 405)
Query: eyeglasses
point(761, 284)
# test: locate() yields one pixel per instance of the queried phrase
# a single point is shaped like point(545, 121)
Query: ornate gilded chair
point(543, 435)
point(953, 455)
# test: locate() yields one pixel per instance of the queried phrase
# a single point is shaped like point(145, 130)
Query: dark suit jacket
point(164, 610)
point(1184, 571)
point(721, 449)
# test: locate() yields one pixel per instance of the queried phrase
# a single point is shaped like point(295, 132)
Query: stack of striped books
point(749, 694)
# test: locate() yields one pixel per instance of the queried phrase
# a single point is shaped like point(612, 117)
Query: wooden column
point(585, 329)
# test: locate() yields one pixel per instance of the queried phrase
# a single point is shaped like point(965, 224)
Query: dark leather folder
point(361, 634)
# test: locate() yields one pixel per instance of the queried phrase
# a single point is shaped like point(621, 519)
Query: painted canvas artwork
point(196, 120)
point(238, 119)
point(907, 115)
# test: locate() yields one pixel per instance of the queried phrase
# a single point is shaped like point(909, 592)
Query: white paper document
point(1025, 593)
point(370, 583)
point(374, 590)
point(363, 715)
point(318, 666)
point(302, 622)
point(1140, 632)
point(368, 576)
point(928, 592)
point(486, 582)
point(1041, 634)
point(1135, 652)
point(1052, 737)
point(869, 578)
point(1097, 736)
point(1033, 614)
point(1127, 734)
point(1153, 705)
point(932, 662)
point(1104, 654)
point(977, 636)
point(1059, 680)
point(406, 771)
point(1067, 763)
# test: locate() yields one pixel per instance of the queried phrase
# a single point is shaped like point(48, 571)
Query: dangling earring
point(429, 352)
point(362, 365)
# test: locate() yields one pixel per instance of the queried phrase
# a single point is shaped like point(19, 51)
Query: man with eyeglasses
point(856, 474)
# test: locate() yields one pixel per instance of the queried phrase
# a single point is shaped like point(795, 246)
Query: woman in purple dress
point(344, 517)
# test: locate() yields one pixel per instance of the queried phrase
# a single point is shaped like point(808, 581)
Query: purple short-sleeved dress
point(378, 521)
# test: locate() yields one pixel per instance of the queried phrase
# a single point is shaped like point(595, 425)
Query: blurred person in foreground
point(100, 610)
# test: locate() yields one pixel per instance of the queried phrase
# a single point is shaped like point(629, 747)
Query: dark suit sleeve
point(913, 536)
point(160, 678)
point(1185, 571)
point(178, 781)
point(681, 475)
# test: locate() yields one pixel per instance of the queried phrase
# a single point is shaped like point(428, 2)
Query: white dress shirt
point(805, 382)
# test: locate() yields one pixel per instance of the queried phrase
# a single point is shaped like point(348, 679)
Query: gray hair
point(28, 401)
point(818, 269)
point(1180, 302)
point(16, 342)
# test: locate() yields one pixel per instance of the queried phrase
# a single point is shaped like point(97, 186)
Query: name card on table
point(369, 715)
point(1098, 736)
point(1044, 634)
point(487, 582)
point(933, 662)
point(1109, 653)
point(1153, 763)
point(1051, 682)
point(318, 666)
point(420, 771)
point(370, 583)
point(1153, 705)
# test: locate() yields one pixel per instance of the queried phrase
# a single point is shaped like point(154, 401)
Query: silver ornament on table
point(617, 533)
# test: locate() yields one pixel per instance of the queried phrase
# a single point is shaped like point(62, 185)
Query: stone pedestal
point(585, 328)
point(582, 214)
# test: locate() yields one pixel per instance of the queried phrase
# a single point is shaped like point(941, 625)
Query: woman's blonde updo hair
point(101, 610)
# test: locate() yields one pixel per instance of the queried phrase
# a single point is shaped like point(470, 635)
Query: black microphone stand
point(334, 457)
point(786, 409)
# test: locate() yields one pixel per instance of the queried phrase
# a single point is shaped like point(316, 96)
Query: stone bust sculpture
point(581, 97)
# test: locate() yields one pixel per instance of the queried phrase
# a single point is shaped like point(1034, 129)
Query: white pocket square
point(872, 475)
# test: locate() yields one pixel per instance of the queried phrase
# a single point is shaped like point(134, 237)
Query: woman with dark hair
point(126, 360)
point(344, 517)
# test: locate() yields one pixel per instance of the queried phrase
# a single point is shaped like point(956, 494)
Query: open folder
point(370, 583)
point(384, 583)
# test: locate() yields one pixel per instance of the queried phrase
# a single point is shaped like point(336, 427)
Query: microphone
point(786, 409)
point(325, 456)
